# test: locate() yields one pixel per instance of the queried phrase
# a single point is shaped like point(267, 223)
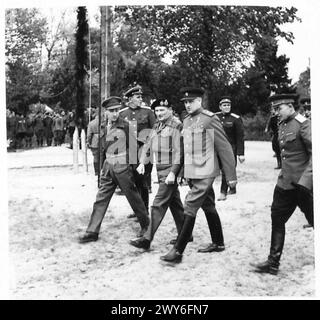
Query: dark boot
point(272, 264)
point(173, 256)
point(142, 243)
point(88, 237)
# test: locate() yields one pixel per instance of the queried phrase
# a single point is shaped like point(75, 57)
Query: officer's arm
point(305, 133)
point(239, 136)
point(223, 149)
point(178, 151)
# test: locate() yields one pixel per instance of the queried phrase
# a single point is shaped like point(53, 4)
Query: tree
point(303, 84)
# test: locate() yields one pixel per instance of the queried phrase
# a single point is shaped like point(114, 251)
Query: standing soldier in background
point(48, 124)
point(93, 139)
point(116, 170)
point(71, 126)
point(39, 128)
point(233, 126)
point(29, 129)
point(204, 141)
point(273, 128)
point(11, 130)
point(58, 126)
point(165, 142)
point(294, 186)
point(20, 130)
point(306, 107)
point(141, 119)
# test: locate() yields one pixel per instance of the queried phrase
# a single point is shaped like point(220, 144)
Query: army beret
point(225, 99)
point(132, 91)
point(160, 103)
point(112, 102)
point(278, 99)
point(190, 93)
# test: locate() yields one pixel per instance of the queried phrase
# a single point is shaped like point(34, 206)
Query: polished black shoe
point(172, 256)
point(212, 247)
point(265, 267)
point(174, 241)
point(142, 243)
point(131, 216)
point(88, 237)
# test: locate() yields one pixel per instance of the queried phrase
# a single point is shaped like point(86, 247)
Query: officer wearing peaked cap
point(204, 140)
point(116, 171)
point(141, 120)
point(233, 126)
point(294, 185)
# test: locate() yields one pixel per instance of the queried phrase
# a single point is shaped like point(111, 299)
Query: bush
point(254, 127)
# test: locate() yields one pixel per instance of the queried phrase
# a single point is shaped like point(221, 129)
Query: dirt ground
point(49, 207)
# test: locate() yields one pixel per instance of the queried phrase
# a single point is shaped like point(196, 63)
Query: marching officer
point(233, 126)
point(116, 170)
point(204, 141)
point(294, 186)
point(165, 142)
point(141, 119)
point(93, 140)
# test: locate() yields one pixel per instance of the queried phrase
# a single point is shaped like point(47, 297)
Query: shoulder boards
point(126, 108)
point(235, 115)
point(217, 113)
point(186, 116)
point(143, 107)
point(207, 112)
point(300, 118)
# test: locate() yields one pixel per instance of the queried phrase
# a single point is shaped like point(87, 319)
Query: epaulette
point(143, 107)
point(219, 112)
point(300, 118)
point(126, 108)
point(186, 116)
point(235, 115)
point(207, 112)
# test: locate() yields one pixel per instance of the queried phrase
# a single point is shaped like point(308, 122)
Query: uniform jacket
point(93, 133)
point(140, 118)
point(58, 123)
point(233, 126)
point(205, 140)
point(38, 123)
point(166, 144)
point(21, 125)
point(296, 152)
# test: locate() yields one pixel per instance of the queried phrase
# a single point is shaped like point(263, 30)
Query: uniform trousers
point(168, 196)
point(111, 176)
point(283, 205)
point(201, 195)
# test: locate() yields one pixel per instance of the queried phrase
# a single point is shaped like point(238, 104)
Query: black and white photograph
point(159, 150)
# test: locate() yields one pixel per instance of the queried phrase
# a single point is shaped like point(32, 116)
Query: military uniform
point(273, 127)
point(93, 142)
point(165, 143)
point(294, 185)
point(48, 124)
point(39, 129)
point(29, 130)
point(233, 126)
point(116, 170)
point(58, 127)
point(204, 141)
point(20, 130)
point(141, 121)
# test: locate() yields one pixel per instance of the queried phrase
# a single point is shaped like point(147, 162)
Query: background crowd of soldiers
point(41, 128)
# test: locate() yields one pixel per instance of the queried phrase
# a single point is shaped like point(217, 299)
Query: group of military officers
point(195, 150)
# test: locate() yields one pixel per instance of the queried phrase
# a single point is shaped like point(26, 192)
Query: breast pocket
point(291, 137)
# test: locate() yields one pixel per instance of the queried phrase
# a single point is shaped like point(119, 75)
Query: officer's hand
point(241, 159)
point(170, 178)
point(232, 183)
point(140, 168)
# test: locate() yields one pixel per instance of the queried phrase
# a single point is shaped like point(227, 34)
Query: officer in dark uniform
point(141, 120)
point(165, 142)
point(39, 128)
point(116, 170)
point(294, 186)
point(273, 128)
point(233, 126)
point(204, 141)
point(48, 124)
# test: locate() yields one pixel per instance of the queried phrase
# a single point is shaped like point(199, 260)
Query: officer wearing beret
point(233, 126)
point(204, 141)
point(165, 142)
point(141, 119)
point(116, 171)
point(294, 185)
